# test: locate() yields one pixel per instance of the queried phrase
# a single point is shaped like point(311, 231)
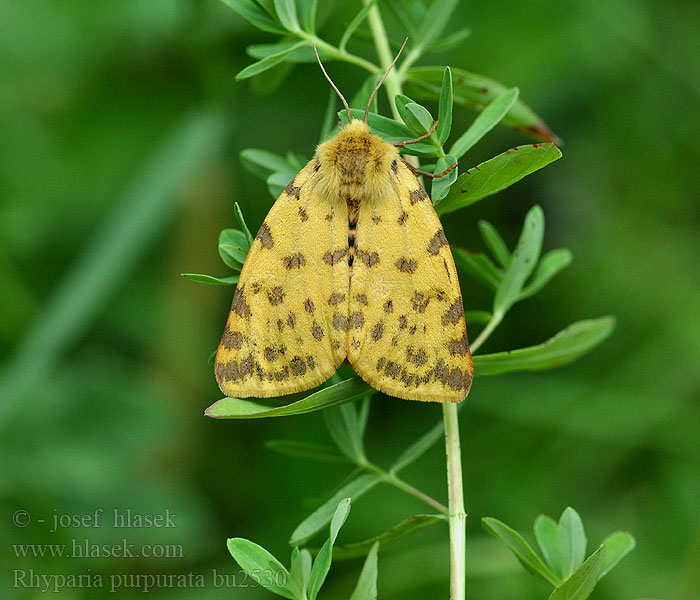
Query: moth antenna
point(337, 91)
point(374, 93)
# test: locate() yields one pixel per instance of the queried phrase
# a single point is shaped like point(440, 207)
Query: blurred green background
point(121, 124)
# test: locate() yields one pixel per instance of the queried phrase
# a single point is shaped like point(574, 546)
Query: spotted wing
point(280, 336)
point(406, 330)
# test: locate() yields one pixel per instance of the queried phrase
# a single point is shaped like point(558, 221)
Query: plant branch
point(495, 320)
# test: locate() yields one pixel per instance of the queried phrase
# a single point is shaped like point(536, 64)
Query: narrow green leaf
point(485, 122)
point(299, 572)
point(322, 516)
point(572, 542)
point(290, 43)
point(477, 316)
point(354, 24)
point(242, 224)
point(522, 262)
point(322, 564)
point(329, 118)
point(419, 447)
point(549, 265)
point(433, 23)
point(363, 414)
point(617, 545)
point(269, 61)
point(255, 15)
point(344, 428)
point(440, 186)
point(210, 279)
point(580, 585)
point(418, 118)
point(306, 450)
point(287, 13)
point(445, 107)
point(406, 527)
point(479, 266)
point(401, 101)
point(359, 100)
point(232, 255)
point(255, 559)
point(239, 408)
point(574, 341)
point(449, 42)
point(522, 550)
point(495, 243)
point(476, 91)
point(366, 588)
point(307, 14)
point(263, 163)
point(497, 174)
point(547, 536)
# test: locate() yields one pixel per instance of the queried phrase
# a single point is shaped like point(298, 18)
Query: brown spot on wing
point(309, 306)
point(454, 313)
point(239, 305)
point(265, 236)
point(406, 265)
point(317, 331)
point(292, 190)
point(369, 258)
point(336, 298)
point(276, 295)
point(420, 302)
point(294, 261)
point(459, 346)
point(378, 331)
point(332, 258)
point(403, 322)
point(232, 340)
point(340, 322)
point(439, 240)
point(389, 306)
point(362, 299)
point(380, 363)
point(417, 195)
point(302, 215)
point(297, 365)
point(291, 319)
point(402, 218)
point(357, 320)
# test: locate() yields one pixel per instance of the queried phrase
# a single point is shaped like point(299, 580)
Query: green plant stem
point(495, 320)
point(457, 517)
point(337, 53)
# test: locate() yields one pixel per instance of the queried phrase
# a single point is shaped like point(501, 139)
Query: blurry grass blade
point(287, 13)
point(617, 545)
point(210, 279)
point(307, 14)
point(418, 448)
point(522, 550)
point(574, 341)
point(112, 253)
point(549, 265)
point(354, 24)
point(445, 108)
point(268, 62)
point(407, 527)
point(322, 516)
point(441, 186)
point(242, 224)
point(239, 408)
point(484, 122)
point(479, 266)
point(322, 564)
point(497, 174)
point(329, 118)
point(495, 243)
point(430, 27)
point(580, 585)
point(476, 91)
point(263, 163)
point(390, 131)
point(255, 15)
point(306, 450)
point(344, 429)
point(522, 262)
point(449, 42)
point(253, 558)
point(366, 588)
point(477, 316)
point(547, 536)
point(363, 414)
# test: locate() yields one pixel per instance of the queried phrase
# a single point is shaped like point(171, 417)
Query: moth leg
point(418, 139)
point(426, 174)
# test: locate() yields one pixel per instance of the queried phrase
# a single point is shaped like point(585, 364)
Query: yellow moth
point(351, 263)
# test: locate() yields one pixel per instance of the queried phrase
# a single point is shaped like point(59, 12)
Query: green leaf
point(269, 61)
point(242, 224)
point(522, 550)
point(210, 279)
point(572, 542)
point(497, 174)
point(263, 163)
point(233, 248)
point(307, 14)
point(449, 42)
point(432, 24)
point(406, 527)
point(495, 243)
point(479, 266)
point(441, 185)
point(322, 564)
point(549, 265)
point(476, 91)
point(322, 516)
point(366, 588)
point(445, 107)
point(255, 15)
point(306, 450)
point(287, 13)
point(296, 54)
point(418, 118)
point(580, 585)
point(419, 447)
point(617, 545)
point(522, 262)
point(547, 536)
point(344, 428)
point(253, 558)
point(566, 346)
point(239, 408)
point(485, 122)
point(299, 572)
point(477, 316)
point(401, 102)
point(354, 24)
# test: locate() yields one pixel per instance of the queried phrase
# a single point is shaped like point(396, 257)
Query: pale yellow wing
point(286, 329)
point(407, 336)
